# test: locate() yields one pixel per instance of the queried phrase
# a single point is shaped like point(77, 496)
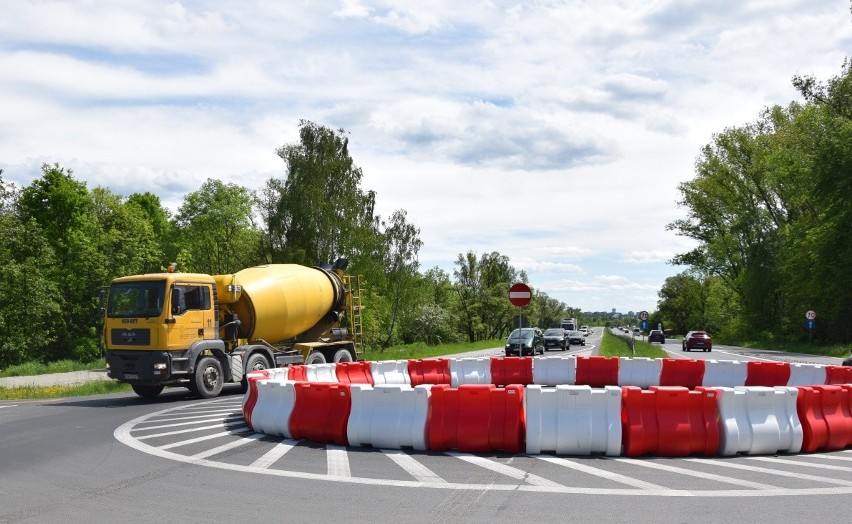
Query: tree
point(216, 230)
point(402, 243)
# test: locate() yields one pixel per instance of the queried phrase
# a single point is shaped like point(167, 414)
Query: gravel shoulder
point(54, 379)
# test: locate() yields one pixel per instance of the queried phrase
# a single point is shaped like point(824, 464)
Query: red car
point(697, 340)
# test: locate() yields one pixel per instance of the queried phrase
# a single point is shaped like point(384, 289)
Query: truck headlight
point(160, 365)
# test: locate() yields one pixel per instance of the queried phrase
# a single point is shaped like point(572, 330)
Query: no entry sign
point(520, 294)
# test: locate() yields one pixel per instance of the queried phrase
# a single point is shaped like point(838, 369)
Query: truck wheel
point(255, 362)
point(147, 391)
point(342, 355)
point(208, 377)
point(315, 357)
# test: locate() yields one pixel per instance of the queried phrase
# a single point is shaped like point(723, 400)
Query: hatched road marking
point(212, 433)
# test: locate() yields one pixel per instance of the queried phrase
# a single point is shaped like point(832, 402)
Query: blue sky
point(555, 133)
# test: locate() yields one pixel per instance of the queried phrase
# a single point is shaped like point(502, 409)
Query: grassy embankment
point(410, 351)
point(619, 346)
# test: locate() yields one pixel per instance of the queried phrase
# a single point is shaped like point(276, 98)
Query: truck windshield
point(136, 299)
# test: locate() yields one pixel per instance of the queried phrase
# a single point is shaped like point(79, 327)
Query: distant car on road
point(576, 337)
point(556, 338)
point(656, 336)
point(697, 340)
point(525, 341)
point(636, 332)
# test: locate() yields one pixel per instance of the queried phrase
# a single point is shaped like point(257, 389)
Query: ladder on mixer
point(353, 286)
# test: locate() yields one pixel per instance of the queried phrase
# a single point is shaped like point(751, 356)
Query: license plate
point(131, 376)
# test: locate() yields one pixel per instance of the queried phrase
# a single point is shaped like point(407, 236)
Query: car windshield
point(136, 299)
point(554, 333)
point(526, 334)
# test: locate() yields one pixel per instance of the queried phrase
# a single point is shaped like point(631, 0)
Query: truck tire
point(147, 391)
point(315, 357)
point(208, 377)
point(256, 362)
point(343, 355)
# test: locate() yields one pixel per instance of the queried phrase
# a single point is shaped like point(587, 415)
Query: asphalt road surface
point(181, 458)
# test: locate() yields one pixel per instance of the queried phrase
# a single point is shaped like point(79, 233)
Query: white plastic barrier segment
point(639, 371)
point(390, 372)
point(724, 373)
point(275, 401)
point(555, 371)
point(321, 373)
point(806, 375)
point(470, 371)
point(573, 420)
point(389, 416)
point(758, 420)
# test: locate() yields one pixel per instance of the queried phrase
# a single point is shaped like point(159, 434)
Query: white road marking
point(197, 439)
point(10, 406)
point(831, 457)
point(238, 423)
point(777, 472)
point(210, 414)
point(229, 446)
point(271, 456)
point(191, 422)
point(338, 461)
point(503, 469)
point(827, 467)
point(696, 474)
point(615, 477)
point(124, 434)
point(412, 466)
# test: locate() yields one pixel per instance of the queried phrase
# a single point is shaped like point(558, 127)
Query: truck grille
point(130, 337)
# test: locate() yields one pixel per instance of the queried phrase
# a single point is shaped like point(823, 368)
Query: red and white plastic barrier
point(689, 407)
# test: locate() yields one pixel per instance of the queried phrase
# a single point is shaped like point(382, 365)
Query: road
point(180, 458)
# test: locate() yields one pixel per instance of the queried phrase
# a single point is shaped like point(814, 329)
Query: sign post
point(810, 323)
point(643, 324)
point(520, 295)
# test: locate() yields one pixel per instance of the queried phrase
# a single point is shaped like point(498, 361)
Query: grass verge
point(619, 346)
point(421, 350)
point(100, 387)
point(60, 366)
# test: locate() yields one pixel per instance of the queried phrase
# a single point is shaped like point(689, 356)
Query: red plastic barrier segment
point(669, 421)
point(769, 374)
point(298, 373)
point(354, 373)
point(511, 370)
point(824, 412)
point(597, 372)
point(321, 412)
point(685, 372)
point(639, 432)
point(251, 399)
point(476, 418)
point(429, 371)
point(838, 374)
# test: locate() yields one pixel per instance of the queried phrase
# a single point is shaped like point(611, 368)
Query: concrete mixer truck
point(202, 331)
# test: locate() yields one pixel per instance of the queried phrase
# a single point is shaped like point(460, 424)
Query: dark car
point(576, 337)
point(697, 340)
point(556, 338)
point(525, 341)
point(656, 336)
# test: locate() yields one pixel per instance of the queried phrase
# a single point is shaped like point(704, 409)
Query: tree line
point(770, 208)
point(61, 242)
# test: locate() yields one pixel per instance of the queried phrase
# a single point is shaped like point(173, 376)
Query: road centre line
point(503, 469)
point(338, 461)
point(608, 475)
point(413, 467)
point(238, 423)
point(206, 437)
point(203, 420)
point(801, 463)
point(229, 446)
point(270, 457)
point(776, 472)
point(696, 474)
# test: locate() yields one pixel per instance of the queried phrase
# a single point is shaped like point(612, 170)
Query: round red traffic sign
point(520, 294)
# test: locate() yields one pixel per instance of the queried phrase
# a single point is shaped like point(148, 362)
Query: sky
point(554, 133)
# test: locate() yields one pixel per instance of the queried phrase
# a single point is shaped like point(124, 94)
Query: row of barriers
point(592, 371)
point(567, 419)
